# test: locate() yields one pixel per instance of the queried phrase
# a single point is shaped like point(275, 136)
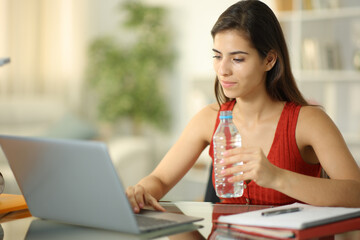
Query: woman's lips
point(227, 84)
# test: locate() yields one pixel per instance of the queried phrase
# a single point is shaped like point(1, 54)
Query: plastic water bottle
point(226, 137)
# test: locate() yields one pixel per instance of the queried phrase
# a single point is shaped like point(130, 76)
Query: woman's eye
point(238, 60)
point(216, 57)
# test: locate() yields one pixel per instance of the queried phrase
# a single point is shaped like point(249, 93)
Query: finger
point(239, 150)
point(235, 169)
point(139, 197)
point(244, 157)
point(131, 197)
point(231, 152)
point(150, 200)
point(129, 191)
point(241, 177)
point(240, 172)
point(234, 159)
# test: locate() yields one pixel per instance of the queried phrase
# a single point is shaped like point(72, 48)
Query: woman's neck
point(256, 110)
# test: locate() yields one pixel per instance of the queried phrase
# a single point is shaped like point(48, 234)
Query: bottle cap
point(225, 115)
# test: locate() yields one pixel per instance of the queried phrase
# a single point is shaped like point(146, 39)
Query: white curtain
point(46, 43)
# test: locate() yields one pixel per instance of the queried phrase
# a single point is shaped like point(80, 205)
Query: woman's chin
point(230, 94)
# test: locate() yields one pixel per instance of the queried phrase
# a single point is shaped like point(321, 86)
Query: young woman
point(286, 142)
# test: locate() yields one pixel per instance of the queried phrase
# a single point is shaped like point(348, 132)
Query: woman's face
point(238, 66)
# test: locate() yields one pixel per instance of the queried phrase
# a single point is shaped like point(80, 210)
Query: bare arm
point(316, 129)
point(177, 162)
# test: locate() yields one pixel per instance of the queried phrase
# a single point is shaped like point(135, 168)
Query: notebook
point(305, 223)
point(308, 216)
point(74, 181)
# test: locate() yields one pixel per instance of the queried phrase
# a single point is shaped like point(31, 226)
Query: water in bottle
point(226, 137)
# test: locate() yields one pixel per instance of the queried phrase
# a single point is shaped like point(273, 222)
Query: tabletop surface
point(21, 225)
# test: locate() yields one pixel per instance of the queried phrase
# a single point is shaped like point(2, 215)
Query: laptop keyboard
point(147, 223)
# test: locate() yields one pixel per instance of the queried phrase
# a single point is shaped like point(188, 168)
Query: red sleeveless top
point(283, 153)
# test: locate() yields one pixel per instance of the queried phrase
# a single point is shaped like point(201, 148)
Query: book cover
point(11, 202)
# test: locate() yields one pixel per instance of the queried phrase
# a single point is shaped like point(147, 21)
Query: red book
point(304, 222)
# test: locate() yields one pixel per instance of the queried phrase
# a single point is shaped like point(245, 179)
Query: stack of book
point(295, 221)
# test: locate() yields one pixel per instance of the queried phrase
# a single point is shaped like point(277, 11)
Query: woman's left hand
point(255, 167)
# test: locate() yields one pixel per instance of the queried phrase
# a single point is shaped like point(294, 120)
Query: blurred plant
point(127, 76)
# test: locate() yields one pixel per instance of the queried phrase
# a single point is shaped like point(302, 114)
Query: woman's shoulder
point(209, 111)
point(314, 121)
point(212, 107)
point(313, 112)
point(202, 124)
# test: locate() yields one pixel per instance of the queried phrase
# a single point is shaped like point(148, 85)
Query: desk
point(21, 225)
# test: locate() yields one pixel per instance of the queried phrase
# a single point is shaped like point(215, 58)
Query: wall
point(47, 41)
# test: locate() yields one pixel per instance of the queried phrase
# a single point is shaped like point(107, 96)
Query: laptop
point(74, 181)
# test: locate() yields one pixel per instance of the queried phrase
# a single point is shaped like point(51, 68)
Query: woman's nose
point(224, 68)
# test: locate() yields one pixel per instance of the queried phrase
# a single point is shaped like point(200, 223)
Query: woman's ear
point(270, 60)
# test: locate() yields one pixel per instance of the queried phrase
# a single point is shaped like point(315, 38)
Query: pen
point(281, 211)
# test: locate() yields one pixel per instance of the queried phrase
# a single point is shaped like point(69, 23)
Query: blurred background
point(133, 73)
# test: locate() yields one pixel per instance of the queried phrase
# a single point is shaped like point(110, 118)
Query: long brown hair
point(261, 26)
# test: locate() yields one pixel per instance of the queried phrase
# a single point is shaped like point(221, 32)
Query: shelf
point(318, 14)
point(328, 76)
point(326, 14)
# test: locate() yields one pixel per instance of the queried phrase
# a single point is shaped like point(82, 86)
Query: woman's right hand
point(139, 198)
